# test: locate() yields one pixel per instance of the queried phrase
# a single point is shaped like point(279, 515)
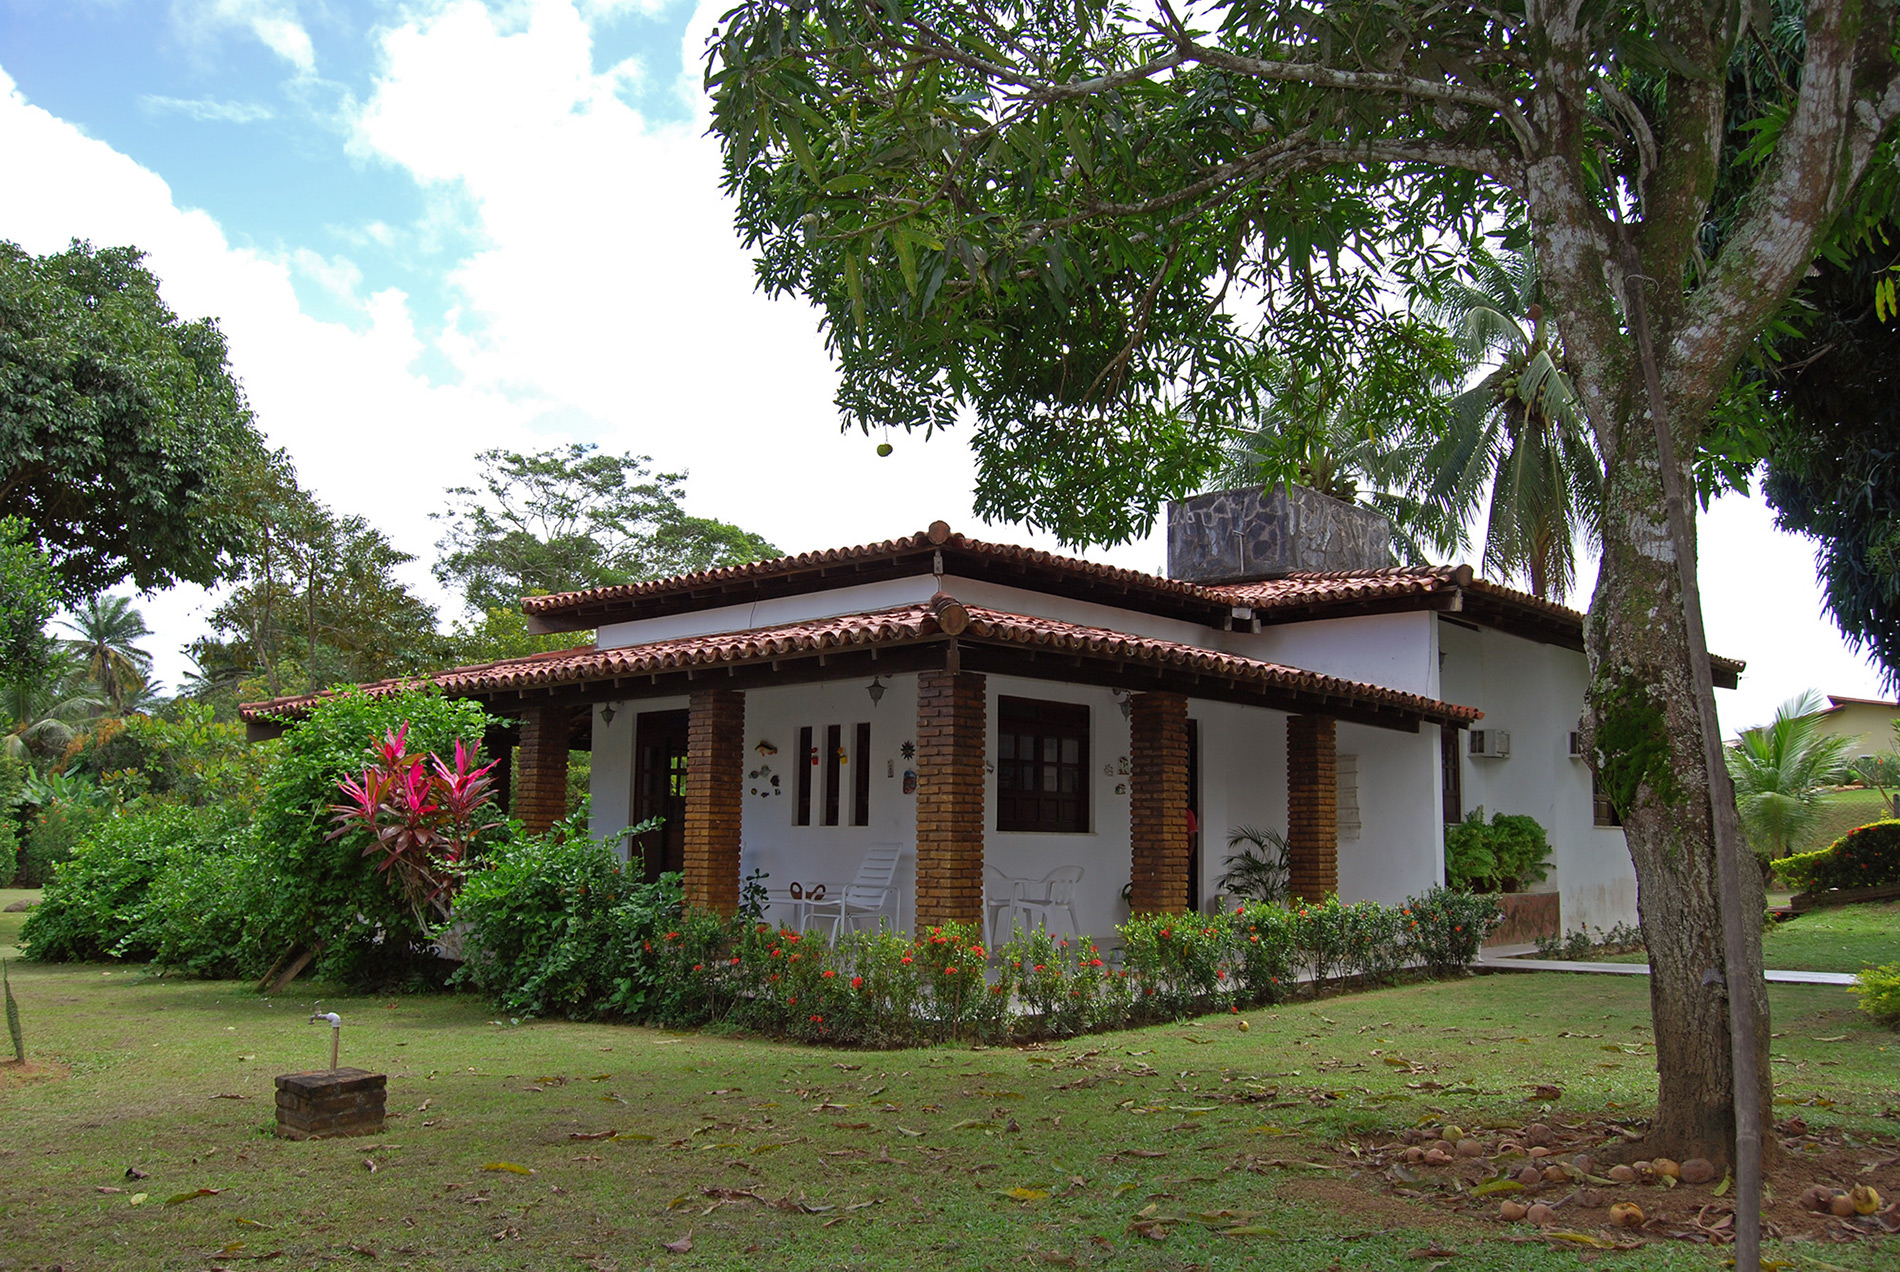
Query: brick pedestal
point(330, 1103)
point(539, 797)
point(1158, 788)
point(1312, 807)
point(952, 731)
point(715, 790)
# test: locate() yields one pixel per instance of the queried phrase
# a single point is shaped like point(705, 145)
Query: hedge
point(1868, 857)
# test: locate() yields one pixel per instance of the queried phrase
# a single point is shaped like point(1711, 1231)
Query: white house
point(989, 716)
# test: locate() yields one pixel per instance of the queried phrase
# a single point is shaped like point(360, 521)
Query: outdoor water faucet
point(336, 1032)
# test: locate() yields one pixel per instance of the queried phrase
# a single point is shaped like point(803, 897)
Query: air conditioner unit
point(1490, 744)
point(1576, 746)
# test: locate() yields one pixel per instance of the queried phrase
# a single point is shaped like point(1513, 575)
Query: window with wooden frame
point(834, 770)
point(1603, 811)
point(1042, 766)
point(806, 761)
point(861, 776)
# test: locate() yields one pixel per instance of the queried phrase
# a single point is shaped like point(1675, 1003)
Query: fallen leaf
point(513, 1168)
point(138, 1199)
point(369, 1164)
point(133, 1172)
point(227, 1095)
point(1140, 1152)
point(593, 1135)
point(193, 1195)
point(1027, 1194)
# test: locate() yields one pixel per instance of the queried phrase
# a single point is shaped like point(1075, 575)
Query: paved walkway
point(1503, 959)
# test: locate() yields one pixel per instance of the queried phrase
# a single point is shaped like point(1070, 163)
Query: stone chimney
point(1240, 536)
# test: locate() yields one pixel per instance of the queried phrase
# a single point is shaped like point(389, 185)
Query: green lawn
point(1840, 812)
point(1844, 939)
point(10, 923)
point(900, 1159)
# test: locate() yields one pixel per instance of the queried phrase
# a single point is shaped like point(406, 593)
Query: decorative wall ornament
point(908, 750)
point(765, 748)
point(910, 781)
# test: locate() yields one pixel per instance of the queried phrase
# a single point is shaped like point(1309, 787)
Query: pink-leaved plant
point(423, 817)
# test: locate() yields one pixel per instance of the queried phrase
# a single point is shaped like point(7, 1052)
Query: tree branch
point(1808, 176)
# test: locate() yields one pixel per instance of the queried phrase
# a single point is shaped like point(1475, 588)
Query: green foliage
point(503, 633)
point(1879, 991)
point(1780, 772)
point(1175, 962)
point(569, 518)
point(120, 426)
point(1354, 421)
point(1832, 469)
point(1501, 856)
point(183, 756)
point(555, 924)
point(53, 830)
point(1516, 442)
point(28, 596)
point(1446, 928)
point(1868, 857)
point(95, 903)
point(1470, 859)
point(333, 893)
point(103, 635)
point(12, 789)
point(1258, 872)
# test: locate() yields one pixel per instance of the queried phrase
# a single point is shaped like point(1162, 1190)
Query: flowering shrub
point(1444, 929)
point(1868, 857)
point(1264, 950)
point(1177, 963)
point(885, 989)
point(1066, 987)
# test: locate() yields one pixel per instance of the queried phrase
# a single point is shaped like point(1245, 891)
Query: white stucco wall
point(1391, 650)
point(1401, 848)
point(1535, 692)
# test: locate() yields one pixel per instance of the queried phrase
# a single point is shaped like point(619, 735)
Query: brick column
point(1158, 841)
point(1312, 806)
point(539, 798)
point(952, 736)
point(715, 789)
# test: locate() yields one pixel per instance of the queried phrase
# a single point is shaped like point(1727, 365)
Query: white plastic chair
point(999, 900)
point(869, 892)
point(1039, 902)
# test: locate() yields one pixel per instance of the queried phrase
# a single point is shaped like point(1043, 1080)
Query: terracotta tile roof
point(943, 616)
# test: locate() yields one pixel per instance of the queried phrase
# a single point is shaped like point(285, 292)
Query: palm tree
point(103, 630)
point(1347, 427)
point(1780, 770)
point(1518, 435)
point(40, 710)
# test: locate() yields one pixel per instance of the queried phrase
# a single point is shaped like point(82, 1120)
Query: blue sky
point(437, 226)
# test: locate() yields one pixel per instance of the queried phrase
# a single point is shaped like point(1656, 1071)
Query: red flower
point(857, 982)
point(949, 971)
point(827, 973)
point(1164, 934)
point(1041, 968)
point(699, 967)
point(735, 960)
point(905, 959)
point(672, 936)
point(1095, 962)
point(817, 1020)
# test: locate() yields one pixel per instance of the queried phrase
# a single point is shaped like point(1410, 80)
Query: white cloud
point(368, 434)
point(207, 110)
point(273, 23)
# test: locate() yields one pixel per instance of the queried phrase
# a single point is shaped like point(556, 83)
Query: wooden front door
point(659, 789)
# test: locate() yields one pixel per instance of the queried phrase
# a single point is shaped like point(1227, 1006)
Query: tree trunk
point(1645, 731)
